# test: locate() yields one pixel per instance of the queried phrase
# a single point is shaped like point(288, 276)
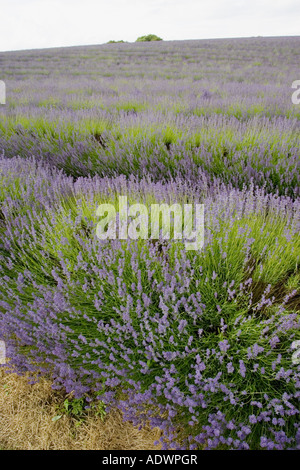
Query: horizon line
point(146, 42)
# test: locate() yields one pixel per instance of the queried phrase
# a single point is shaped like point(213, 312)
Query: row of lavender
point(201, 344)
point(222, 108)
point(191, 148)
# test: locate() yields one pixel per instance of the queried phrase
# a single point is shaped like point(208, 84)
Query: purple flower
point(242, 368)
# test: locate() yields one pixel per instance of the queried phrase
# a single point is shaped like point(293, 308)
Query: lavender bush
point(203, 339)
point(198, 343)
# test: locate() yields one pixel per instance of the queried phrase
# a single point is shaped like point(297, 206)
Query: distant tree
point(149, 37)
point(114, 42)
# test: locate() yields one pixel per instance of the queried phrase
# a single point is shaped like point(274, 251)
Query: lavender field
point(201, 344)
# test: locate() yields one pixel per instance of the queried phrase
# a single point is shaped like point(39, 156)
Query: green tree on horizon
point(149, 37)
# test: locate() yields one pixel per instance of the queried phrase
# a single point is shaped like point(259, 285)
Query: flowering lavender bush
point(203, 339)
point(199, 343)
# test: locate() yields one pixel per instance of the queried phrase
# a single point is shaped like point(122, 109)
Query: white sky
point(30, 24)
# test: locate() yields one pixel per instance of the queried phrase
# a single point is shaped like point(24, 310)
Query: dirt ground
point(26, 422)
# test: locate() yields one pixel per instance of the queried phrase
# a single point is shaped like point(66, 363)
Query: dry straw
point(26, 413)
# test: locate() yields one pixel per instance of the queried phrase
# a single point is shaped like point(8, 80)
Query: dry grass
point(26, 413)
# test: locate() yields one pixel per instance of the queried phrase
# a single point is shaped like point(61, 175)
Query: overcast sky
point(30, 24)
